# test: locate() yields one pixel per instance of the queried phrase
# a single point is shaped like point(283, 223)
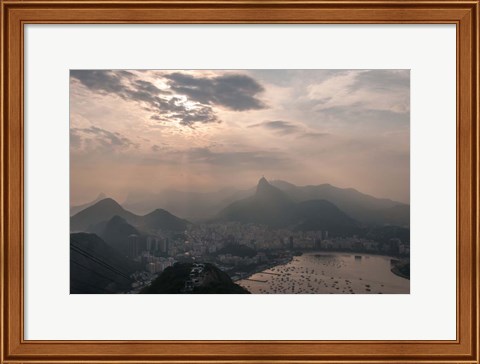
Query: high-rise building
point(133, 246)
point(152, 243)
point(167, 246)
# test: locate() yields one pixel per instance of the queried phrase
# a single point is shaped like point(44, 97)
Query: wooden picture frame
point(16, 13)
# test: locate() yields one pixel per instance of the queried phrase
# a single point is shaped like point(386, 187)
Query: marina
point(328, 273)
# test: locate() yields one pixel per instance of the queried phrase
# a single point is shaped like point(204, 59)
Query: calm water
point(329, 273)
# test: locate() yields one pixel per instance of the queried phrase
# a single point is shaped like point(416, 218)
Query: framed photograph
point(231, 181)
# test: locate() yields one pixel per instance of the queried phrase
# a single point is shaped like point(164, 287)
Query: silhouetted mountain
point(96, 267)
point(272, 207)
point(203, 206)
point(360, 206)
point(322, 215)
point(396, 215)
point(162, 220)
point(102, 211)
point(76, 209)
point(269, 206)
point(94, 218)
point(115, 232)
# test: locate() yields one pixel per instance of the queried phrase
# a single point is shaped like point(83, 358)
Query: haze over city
point(146, 131)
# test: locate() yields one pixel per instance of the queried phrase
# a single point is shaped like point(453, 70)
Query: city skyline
point(199, 130)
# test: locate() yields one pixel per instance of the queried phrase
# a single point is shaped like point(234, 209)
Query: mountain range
point(78, 208)
point(272, 207)
point(100, 214)
point(277, 204)
point(195, 206)
point(362, 207)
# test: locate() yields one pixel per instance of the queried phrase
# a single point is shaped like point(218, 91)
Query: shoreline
point(332, 252)
point(396, 269)
point(263, 269)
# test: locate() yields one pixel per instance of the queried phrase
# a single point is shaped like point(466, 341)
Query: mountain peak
point(263, 184)
point(159, 212)
point(108, 202)
point(268, 193)
point(117, 220)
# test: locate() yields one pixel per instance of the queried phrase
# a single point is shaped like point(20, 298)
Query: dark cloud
point(161, 103)
point(234, 92)
point(94, 138)
point(279, 126)
point(312, 135)
point(102, 80)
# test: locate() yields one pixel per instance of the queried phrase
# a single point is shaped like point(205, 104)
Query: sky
point(204, 130)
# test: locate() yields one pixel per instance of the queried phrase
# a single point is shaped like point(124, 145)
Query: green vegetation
point(238, 250)
point(172, 280)
point(401, 268)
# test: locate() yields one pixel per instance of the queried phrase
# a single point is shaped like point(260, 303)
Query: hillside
point(272, 207)
point(89, 219)
point(96, 267)
point(360, 206)
point(269, 206)
point(172, 280)
point(322, 215)
point(115, 232)
point(78, 208)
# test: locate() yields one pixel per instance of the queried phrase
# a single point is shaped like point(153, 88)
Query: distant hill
point(268, 206)
point(172, 280)
point(202, 206)
point(272, 207)
point(104, 210)
point(396, 215)
point(322, 215)
point(78, 208)
point(360, 206)
point(101, 211)
point(162, 219)
point(96, 267)
point(115, 232)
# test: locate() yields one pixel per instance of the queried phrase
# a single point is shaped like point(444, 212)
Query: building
point(152, 244)
point(133, 246)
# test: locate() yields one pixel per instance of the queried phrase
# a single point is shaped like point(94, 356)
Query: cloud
point(280, 126)
point(312, 135)
point(287, 128)
point(382, 90)
point(103, 80)
point(161, 103)
point(235, 92)
point(98, 139)
point(375, 121)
